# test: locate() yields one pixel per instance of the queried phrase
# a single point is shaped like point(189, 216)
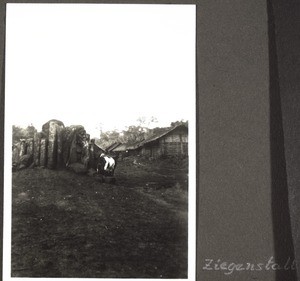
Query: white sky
point(93, 64)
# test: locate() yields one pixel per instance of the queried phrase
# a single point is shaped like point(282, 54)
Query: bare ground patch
point(66, 225)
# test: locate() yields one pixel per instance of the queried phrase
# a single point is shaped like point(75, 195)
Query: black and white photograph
point(99, 166)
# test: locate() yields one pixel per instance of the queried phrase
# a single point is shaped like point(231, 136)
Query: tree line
point(130, 135)
point(133, 134)
point(23, 133)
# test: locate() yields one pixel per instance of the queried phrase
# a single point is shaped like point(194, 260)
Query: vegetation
point(134, 133)
point(21, 133)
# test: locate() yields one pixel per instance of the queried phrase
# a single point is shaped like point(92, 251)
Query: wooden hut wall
point(174, 148)
point(173, 144)
point(151, 150)
point(133, 152)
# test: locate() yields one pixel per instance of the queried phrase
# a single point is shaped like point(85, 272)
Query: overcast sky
point(99, 64)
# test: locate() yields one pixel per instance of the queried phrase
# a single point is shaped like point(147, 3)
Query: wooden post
point(43, 152)
point(22, 147)
point(29, 147)
point(36, 149)
point(59, 142)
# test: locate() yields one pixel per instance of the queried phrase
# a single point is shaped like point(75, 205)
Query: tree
point(108, 138)
point(30, 131)
point(134, 133)
point(17, 133)
point(146, 122)
point(21, 133)
point(177, 123)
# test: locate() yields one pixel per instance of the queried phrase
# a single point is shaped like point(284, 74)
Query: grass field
point(69, 225)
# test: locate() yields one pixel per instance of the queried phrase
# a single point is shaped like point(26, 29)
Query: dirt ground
point(69, 225)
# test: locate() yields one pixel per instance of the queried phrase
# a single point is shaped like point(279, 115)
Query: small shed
point(171, 142)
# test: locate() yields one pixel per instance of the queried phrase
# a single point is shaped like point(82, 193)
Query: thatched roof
point(127, 146)
point(162, 134)
point(113, 146)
